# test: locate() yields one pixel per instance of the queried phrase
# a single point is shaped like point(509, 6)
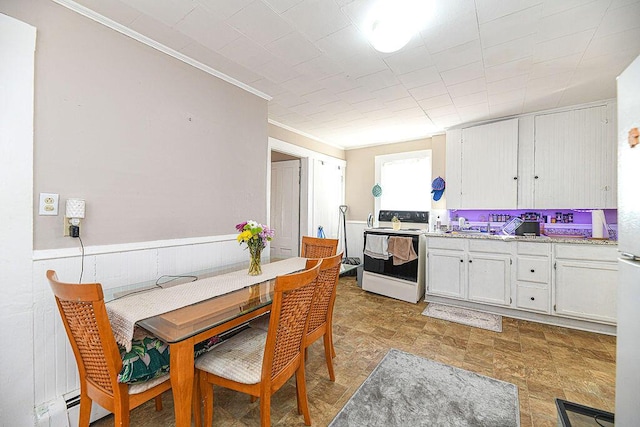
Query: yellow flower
point(244, 236)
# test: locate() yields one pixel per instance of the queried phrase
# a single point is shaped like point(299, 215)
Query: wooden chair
point(259, 362)
point(321, 313)
point(315, 247)
point(85, 319)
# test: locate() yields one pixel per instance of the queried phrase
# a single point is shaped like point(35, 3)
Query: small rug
point(477, 319)
point(407, 390)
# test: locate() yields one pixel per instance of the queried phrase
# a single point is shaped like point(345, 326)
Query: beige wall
point(438, 165)
point(158, 149)
point(302, 141)
point(276, 156)
point(360, 176)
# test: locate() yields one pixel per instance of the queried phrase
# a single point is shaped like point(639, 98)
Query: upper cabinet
point(487, 156)
point(562, 160)
point(574, 160)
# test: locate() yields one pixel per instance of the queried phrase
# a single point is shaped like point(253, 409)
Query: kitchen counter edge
point(547, 239)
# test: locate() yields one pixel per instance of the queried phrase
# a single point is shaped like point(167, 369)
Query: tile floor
point(544, 361)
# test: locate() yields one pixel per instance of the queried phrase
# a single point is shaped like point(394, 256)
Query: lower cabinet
point(470, 271)
point(586, 282)
point(532, 298)
point(573, 281)
point(446, 273)
point(489, 278)
point(586, 290)
point(533, 275)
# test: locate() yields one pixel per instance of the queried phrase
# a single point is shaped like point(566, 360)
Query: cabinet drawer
point(490, 246)
point(587, 252)
point(530, 248)
point(533, 269)
point(532, 298)
point(446, 243)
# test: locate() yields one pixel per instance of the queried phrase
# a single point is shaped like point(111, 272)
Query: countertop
point(538, 239)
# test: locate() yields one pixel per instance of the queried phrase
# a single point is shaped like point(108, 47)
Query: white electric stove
point(405, 281)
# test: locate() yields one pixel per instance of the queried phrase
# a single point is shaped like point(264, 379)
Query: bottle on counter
point(438, 224)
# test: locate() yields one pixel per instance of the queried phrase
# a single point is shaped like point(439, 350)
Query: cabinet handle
point(536, 177)
point(515, 177)
point(532, 270)
point(470, 261)
point(461, 260)
point(533, 299)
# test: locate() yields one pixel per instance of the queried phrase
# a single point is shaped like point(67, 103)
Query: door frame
point(306, 181)
point(16, 208)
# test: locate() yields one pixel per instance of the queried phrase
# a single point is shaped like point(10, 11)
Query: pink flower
point(241, 226)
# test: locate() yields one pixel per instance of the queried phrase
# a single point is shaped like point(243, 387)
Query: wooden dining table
point(186, 326)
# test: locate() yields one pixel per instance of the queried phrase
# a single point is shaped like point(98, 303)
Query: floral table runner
point(126, 311)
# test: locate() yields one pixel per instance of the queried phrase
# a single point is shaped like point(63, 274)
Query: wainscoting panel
point(114, 266)
point(355, 238)
point(55, 369)
point(122, 268)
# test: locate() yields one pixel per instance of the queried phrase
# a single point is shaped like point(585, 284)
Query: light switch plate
point(48, 204)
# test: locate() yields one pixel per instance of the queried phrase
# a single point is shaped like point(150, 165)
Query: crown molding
point(101, 19)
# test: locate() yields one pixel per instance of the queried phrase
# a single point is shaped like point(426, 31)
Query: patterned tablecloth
point(124, 312)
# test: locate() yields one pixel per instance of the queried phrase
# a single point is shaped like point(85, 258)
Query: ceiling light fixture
point(390, 24)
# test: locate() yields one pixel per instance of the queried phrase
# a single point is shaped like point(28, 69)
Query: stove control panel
point(420, 217)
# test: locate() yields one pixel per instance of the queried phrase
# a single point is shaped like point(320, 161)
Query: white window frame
point(379, 160)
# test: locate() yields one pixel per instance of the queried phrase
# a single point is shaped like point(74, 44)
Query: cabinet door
point(446, 273)
point(490, 166)
point(586, 290)
point(574, 164)
point(490, 278)
point(453, 169)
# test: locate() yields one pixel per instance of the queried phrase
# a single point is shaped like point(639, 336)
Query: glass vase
point(255, 267)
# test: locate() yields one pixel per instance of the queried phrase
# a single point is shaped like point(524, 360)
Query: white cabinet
point(490, 166)
point(453, 159)
point(586, 282)
point(475, 270)
point(533, 276)
point(561, 160)
point(490, 278)
point(567, 284)
point(481, 158)
point(446, 273)
point(575, 159)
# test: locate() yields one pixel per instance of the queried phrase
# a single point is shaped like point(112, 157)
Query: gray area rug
point(478, 319)
point(407, 390)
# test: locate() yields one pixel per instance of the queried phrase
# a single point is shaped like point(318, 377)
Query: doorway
point(285, 205)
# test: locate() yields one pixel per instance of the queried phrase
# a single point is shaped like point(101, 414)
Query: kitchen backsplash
point(554, 222)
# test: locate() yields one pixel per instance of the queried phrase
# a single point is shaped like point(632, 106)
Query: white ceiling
point(475, 60)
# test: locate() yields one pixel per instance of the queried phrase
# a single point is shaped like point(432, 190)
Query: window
point(405, 179)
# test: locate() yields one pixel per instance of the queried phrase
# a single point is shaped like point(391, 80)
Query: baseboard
point(582, 325)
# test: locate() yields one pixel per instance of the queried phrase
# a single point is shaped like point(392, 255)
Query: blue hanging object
point(376, 190)
point(321, 232)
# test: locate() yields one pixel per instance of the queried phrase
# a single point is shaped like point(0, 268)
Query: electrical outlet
point(48, 204)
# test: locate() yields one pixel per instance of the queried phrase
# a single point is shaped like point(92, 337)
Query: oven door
point(407, 271)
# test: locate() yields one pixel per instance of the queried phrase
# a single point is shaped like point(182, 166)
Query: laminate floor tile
point(544, 361)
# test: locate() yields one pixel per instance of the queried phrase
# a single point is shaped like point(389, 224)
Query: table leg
point(181, 354)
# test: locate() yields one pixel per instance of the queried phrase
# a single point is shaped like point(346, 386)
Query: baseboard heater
point(65, 411)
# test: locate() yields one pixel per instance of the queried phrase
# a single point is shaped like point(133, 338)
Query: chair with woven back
point(321, 313)
point(86, 322)
point(259, 362)
point(317, 247)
